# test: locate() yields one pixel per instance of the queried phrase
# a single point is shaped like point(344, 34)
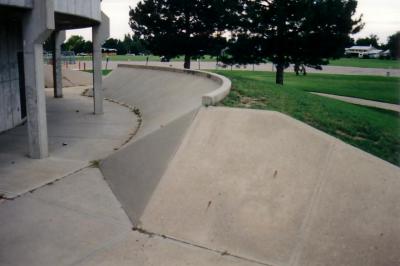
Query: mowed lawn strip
point(366, 63)
point(369, 129)
point(375, 88)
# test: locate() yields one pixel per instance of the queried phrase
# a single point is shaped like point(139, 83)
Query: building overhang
point(69, 22)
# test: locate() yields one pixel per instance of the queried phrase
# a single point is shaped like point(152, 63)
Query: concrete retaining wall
point(10, 105)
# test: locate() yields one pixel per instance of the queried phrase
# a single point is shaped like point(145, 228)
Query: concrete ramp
point(262, 186)
point(255, 185)
point(161, 94)
point(266, 187)
point(168, 100)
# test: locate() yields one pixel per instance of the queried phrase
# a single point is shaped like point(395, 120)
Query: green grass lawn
point(366, 63)
point(375, 88)
point(372, 130)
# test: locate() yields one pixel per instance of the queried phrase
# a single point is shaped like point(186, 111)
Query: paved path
point(205, 186)
point(76, 137)
point(264, 67)
point(381, 105)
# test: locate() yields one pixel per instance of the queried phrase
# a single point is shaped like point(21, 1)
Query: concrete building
point(24, 27)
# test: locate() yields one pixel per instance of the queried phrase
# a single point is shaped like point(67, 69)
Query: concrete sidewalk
point(76, 137)
point(380, 105)
point(78, 221)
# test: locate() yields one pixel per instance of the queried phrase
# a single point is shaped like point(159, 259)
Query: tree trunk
point(279, 73)
point(186, 65)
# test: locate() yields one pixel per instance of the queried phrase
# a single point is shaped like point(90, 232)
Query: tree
point(111, 43)
point(370, 40)
point(393, 45)
point(297, 31)
point(172, 28)
point(78, 45)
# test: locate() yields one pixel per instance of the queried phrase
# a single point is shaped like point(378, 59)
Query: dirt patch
point(344, 134)
point(250, 101)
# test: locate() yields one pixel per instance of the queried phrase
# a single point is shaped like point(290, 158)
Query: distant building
point(363, 51)
point(109, 51)
point(24, 26)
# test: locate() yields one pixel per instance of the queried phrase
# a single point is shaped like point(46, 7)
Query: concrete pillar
point(58, 40)
point(100, 33)
point(37, 27)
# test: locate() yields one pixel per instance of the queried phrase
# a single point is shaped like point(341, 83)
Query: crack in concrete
point(180, 241)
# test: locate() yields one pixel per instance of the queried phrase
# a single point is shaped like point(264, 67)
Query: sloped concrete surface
point(76, 137)
point(161, 96)
point(134, 172)
point(264, 186)
point(70, 78)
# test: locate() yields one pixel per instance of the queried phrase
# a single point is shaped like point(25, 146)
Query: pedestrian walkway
point(380, 105)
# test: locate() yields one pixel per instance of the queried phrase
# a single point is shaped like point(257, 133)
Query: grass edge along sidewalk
point(372, 130)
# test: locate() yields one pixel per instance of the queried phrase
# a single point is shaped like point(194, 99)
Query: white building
point(362, 51)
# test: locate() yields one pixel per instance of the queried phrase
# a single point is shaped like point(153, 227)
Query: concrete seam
point(46, 184)
point(104, 219)
point(102, 247)
point(180, 241)
point(305, 227)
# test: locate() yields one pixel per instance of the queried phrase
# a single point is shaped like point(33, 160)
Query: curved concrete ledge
point(211, 98)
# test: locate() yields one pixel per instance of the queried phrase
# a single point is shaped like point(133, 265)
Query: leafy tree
point(370, 40)
point(172, 28)
point(130, 44)
point(78, 44)
point(74, 43)
point(111, 43)
point(296, 31)
point(393, 45)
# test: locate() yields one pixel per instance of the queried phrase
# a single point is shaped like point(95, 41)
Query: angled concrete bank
point(164, 94)
point(255, 184)
point(168, 100)
point(263, 186)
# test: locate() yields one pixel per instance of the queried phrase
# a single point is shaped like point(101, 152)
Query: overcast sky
point(381, 18)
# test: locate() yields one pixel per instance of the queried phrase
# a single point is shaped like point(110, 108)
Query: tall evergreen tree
point(180, 27)
point(393, 45)
point(296, 31)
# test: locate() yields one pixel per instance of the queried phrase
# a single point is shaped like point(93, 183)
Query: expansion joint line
point(134, 110)
point(180, 241)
